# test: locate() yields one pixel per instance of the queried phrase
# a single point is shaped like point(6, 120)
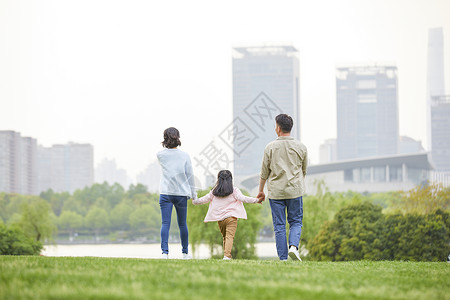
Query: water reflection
point(141, 250)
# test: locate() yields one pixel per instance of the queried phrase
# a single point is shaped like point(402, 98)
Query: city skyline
point(124, 74)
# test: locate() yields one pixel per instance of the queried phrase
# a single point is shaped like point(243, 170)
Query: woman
point(177, 186)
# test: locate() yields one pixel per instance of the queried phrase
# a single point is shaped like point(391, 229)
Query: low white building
point(378, 174)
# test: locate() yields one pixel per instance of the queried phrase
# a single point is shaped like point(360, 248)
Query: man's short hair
point(285, 122)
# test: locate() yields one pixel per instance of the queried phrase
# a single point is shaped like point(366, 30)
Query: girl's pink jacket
point(221, 208)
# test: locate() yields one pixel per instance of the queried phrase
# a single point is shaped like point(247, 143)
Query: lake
point(141, 250)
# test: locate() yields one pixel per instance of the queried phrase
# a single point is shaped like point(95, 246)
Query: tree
point(417, 237)
point(321, 207)
point(116, 194)
point(145, 218)
point(70, 221)
point(354, 234)
point(37, 219)
point(13, 241)
point(97, 219)
point(3, 203)
point(424, 199)
point(120, 216)
point(136, 189)
point(56, 200)
point(72, 204)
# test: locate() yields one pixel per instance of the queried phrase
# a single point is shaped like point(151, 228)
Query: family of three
point(283, 169)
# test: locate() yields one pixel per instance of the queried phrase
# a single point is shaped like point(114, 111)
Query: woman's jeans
point(165, 203)
point(294, 209)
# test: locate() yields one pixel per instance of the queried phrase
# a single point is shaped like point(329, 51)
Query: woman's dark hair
point(224, 184)
point(284, 122)
point(171, 138)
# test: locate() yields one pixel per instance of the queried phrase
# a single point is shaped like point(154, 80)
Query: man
point(284, 168)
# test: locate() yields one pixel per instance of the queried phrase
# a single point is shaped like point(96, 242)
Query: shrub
point(361, 231)
point(13, 241)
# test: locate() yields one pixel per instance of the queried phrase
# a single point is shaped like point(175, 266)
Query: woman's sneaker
point(293, 253)
point(165, 256)
point(186, 256)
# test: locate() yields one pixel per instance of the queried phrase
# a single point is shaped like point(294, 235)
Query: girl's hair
point(224, 184)
point(171, 138)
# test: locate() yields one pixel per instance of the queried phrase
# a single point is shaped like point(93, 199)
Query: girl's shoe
point(226, 258)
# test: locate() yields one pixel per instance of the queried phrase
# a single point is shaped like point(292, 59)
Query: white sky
point(117, 73)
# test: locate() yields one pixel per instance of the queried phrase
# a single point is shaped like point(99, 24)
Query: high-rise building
point(438, 104)
point(265, 84)
point(440, 132)
point(435, 74)
point(151, 177)
point(66, 168)
point(18, 163)
point(367, 111)
point(328, 151)
point(107, 171)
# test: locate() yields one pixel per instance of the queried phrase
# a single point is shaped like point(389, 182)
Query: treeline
point(109, 213)
point(101, 211)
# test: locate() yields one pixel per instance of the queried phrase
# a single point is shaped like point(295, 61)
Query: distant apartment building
point(107, 171)
point(151, 177)
point(66, 168)
point(265, 84)
point(367, 111)
point(18, 164)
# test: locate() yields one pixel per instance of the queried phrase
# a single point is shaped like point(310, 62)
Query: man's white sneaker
point(186, 256)
point(165, 256)
point(293, 254)
point(226, 258)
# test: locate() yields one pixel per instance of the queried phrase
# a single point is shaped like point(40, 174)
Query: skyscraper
point(367, 111)
point(108, 171)
point(438, 104)
point(435, 74)
point(18, 163)
point(151, 177)
point(327, 151)
point(66, 168)
point(440, 132)
point(265, 84)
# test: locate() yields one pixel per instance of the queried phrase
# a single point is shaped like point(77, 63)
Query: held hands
point(261, 197)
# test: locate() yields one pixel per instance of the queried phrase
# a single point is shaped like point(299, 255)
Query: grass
point(29, 277)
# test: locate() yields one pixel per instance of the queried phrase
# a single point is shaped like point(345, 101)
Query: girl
point(225, 207)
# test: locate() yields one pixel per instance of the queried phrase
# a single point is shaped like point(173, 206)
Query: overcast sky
point(117, 73)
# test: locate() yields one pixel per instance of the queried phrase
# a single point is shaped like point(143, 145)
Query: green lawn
point(117, 278)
